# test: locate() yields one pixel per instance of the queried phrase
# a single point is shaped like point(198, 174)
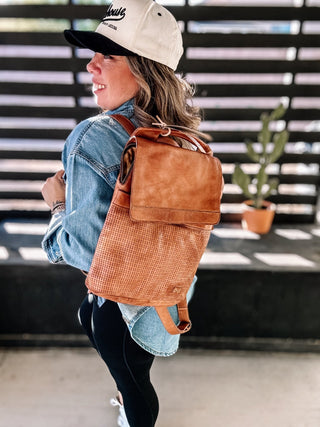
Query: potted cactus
point(258, 212)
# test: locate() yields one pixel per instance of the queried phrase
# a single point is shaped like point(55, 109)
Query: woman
point(136, 50)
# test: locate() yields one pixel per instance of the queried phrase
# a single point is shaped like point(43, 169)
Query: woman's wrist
point(58, 206)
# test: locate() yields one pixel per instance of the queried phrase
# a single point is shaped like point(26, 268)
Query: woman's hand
point(54, 188)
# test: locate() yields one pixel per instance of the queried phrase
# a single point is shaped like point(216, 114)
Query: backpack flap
point(174, 185)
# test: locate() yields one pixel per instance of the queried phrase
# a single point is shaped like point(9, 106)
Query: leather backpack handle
point(156, 133)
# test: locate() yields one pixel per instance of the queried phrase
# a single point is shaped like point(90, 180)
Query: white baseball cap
point(134, 27)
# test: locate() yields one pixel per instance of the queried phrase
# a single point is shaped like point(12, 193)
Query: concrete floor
point(197, 388)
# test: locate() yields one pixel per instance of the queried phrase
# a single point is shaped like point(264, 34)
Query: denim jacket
point(91, 160)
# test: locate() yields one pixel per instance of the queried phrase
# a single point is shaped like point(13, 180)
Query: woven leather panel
point(155, 266)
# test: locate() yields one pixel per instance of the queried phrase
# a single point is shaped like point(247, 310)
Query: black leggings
point(128, 363)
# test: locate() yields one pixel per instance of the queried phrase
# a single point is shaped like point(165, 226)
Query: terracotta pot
point(258, 220)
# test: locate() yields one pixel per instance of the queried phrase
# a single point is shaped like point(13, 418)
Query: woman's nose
point(93, 65)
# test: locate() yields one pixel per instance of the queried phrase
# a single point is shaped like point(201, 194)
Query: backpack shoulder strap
point(127, 124)
point(184, 320)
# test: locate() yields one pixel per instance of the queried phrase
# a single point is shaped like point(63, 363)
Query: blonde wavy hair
point(162, 93)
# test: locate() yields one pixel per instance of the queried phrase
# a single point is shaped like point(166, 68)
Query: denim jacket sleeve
point(72, 236)
point(91, 174)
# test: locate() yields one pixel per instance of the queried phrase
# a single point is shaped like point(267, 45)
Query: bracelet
point(58, 207)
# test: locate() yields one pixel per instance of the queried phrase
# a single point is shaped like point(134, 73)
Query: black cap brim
point(96, 42)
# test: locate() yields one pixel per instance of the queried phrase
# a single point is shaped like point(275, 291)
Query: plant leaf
point(278, 112)
point(262, 179)
point(273, 185)
point(243, 180)
point(279, 140)
point(252, 153)
point(264, 135)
